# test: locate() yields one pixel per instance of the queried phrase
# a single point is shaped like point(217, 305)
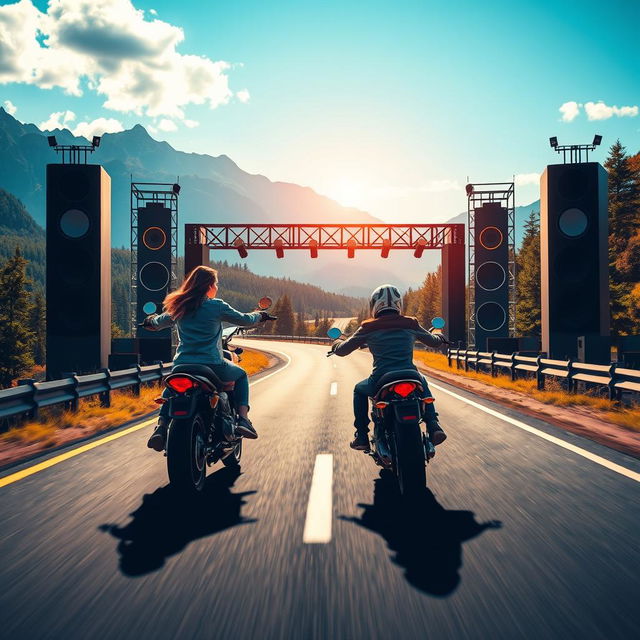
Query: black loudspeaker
point(152, 350)
point(154, 275)
point(119, 361)
point(573, 256)
point(594, 349)
point(491, 251)
point(78, 272)
point(125, 345)
point(505, 346)
point(453, 292)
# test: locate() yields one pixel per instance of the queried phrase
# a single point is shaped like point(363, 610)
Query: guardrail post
point(492, 366)
point(33, 414)
point(539, 376)
point(514, 371)
point(73, 404)
point(138, 383)
point(466, 359)
point(571, 382)
point(449, 356)
point(614, 394)
point(105, 396)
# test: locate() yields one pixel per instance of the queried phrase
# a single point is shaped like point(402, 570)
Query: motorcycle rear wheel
point(408, 460)
point(186, 454)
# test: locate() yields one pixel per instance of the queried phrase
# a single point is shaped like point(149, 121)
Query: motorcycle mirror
point(265, 303)
point(438, 323)
point(334, 333)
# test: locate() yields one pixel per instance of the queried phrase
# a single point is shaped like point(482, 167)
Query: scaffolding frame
point(479, 193)
point(141, 194)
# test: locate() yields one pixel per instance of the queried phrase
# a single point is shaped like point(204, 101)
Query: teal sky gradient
point(380, 104)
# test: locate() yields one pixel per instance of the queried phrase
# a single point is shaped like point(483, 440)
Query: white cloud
point(97, 127)
point(243, 95)
point(570, 111)
point(523, 179)
point(153, 12)
point(109, 47)
point(601, 111)
point(10, 108)
point(167, 125)
point(192, 124)
point(57, 120)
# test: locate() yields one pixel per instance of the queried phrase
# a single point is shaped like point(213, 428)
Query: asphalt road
point(518, 537)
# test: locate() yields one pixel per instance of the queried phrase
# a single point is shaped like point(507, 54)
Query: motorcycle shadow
point(426, 538)
point(165, 523)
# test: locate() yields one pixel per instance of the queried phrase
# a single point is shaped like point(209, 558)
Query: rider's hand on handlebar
point(146, 323)
point(264, 316)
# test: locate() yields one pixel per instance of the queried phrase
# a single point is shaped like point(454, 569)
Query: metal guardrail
point(303, 339)
point(575, 375)
point(29, 397)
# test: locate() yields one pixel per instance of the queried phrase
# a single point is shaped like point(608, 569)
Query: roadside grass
point(553, 394)
point(49, 429)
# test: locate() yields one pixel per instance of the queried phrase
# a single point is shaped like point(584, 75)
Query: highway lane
point(519, 538)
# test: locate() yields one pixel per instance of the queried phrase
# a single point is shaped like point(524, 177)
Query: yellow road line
point(24, 473)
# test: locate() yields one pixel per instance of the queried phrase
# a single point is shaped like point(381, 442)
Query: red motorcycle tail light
point(403, 389)
point(181, 384)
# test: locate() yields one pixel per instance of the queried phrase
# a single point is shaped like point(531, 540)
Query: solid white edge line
point(333, 389)
point(317, 526)
point(633, 475)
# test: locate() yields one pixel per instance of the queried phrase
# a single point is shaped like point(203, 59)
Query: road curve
point(518, 537)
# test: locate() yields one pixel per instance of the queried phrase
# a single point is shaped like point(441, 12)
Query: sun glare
point(348, 193)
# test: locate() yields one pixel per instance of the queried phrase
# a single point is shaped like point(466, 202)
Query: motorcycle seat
point(394, 376)
point(205, 372)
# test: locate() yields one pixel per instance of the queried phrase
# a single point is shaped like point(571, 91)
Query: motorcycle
point(398, 411)
point(202, 417)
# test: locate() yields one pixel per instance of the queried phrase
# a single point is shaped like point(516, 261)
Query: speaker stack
point(153, 278)
point(78, 271)
point(491, 250)
point(574, 260)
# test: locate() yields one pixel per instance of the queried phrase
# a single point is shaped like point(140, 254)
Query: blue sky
point(384, 105)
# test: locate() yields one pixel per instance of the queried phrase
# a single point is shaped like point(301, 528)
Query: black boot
point(436, 434)
point(245, 429)
point(159, 435)
point(361, 441)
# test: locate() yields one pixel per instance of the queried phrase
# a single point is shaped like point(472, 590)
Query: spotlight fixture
point(420, 246)
point(351, 248)
point(96, 141)
point(386, 247)
point(469, 189)
point(596, 140)
point(176, 189)
point(52, 141)
point(238, 243)
point(279, 245)
point(313, 248)
point(553, 141)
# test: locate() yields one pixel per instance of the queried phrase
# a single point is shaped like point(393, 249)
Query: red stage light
point(279, 246)
point(386, 247)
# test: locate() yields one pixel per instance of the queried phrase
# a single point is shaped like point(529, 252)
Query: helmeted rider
point(198, 316)
point(390, 337)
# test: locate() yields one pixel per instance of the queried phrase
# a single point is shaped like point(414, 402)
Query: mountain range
point(213, 189)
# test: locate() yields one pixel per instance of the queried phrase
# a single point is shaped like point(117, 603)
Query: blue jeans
point(365, 388)
point(227, 372)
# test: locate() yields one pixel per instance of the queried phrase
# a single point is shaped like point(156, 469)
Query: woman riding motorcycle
point(198, 316)
point(390, 337)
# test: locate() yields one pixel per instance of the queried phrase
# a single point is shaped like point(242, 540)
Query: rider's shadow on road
point(427, 539)
point(165, 523)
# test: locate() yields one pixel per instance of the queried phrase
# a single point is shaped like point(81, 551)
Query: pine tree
point(301, 325)
point(16, 337)
point(429, 298)
point(624, 225)
point(285, 324)
point(528, 279)
point(38, 326)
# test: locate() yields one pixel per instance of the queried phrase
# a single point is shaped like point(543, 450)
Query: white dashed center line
point(333, 390)
point(317, 527)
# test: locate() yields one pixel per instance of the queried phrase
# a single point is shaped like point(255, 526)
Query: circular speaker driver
point(572, 184)
point(490, 276)
point(74, 223)
point(75, 184)
point(154, 276)
point(490, 316)
point(573, 222)
point(491, 238)
point(75, 269)
point(154, 238)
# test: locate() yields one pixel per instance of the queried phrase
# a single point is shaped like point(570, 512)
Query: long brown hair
point(192, 293)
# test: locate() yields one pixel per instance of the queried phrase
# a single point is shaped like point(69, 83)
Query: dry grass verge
point(628, 417)
point(57, 426)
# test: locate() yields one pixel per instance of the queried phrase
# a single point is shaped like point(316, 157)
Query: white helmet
point(385, 298)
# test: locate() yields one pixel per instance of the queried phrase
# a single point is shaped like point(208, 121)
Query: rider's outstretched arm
point(356, 341)
point(426, 337)
point(160, 322)
point(229, 314)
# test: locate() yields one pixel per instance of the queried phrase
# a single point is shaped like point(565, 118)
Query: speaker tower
point(78, 271)
point(573, 256)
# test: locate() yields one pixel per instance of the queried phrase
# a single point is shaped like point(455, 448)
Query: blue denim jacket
point(200, 332)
